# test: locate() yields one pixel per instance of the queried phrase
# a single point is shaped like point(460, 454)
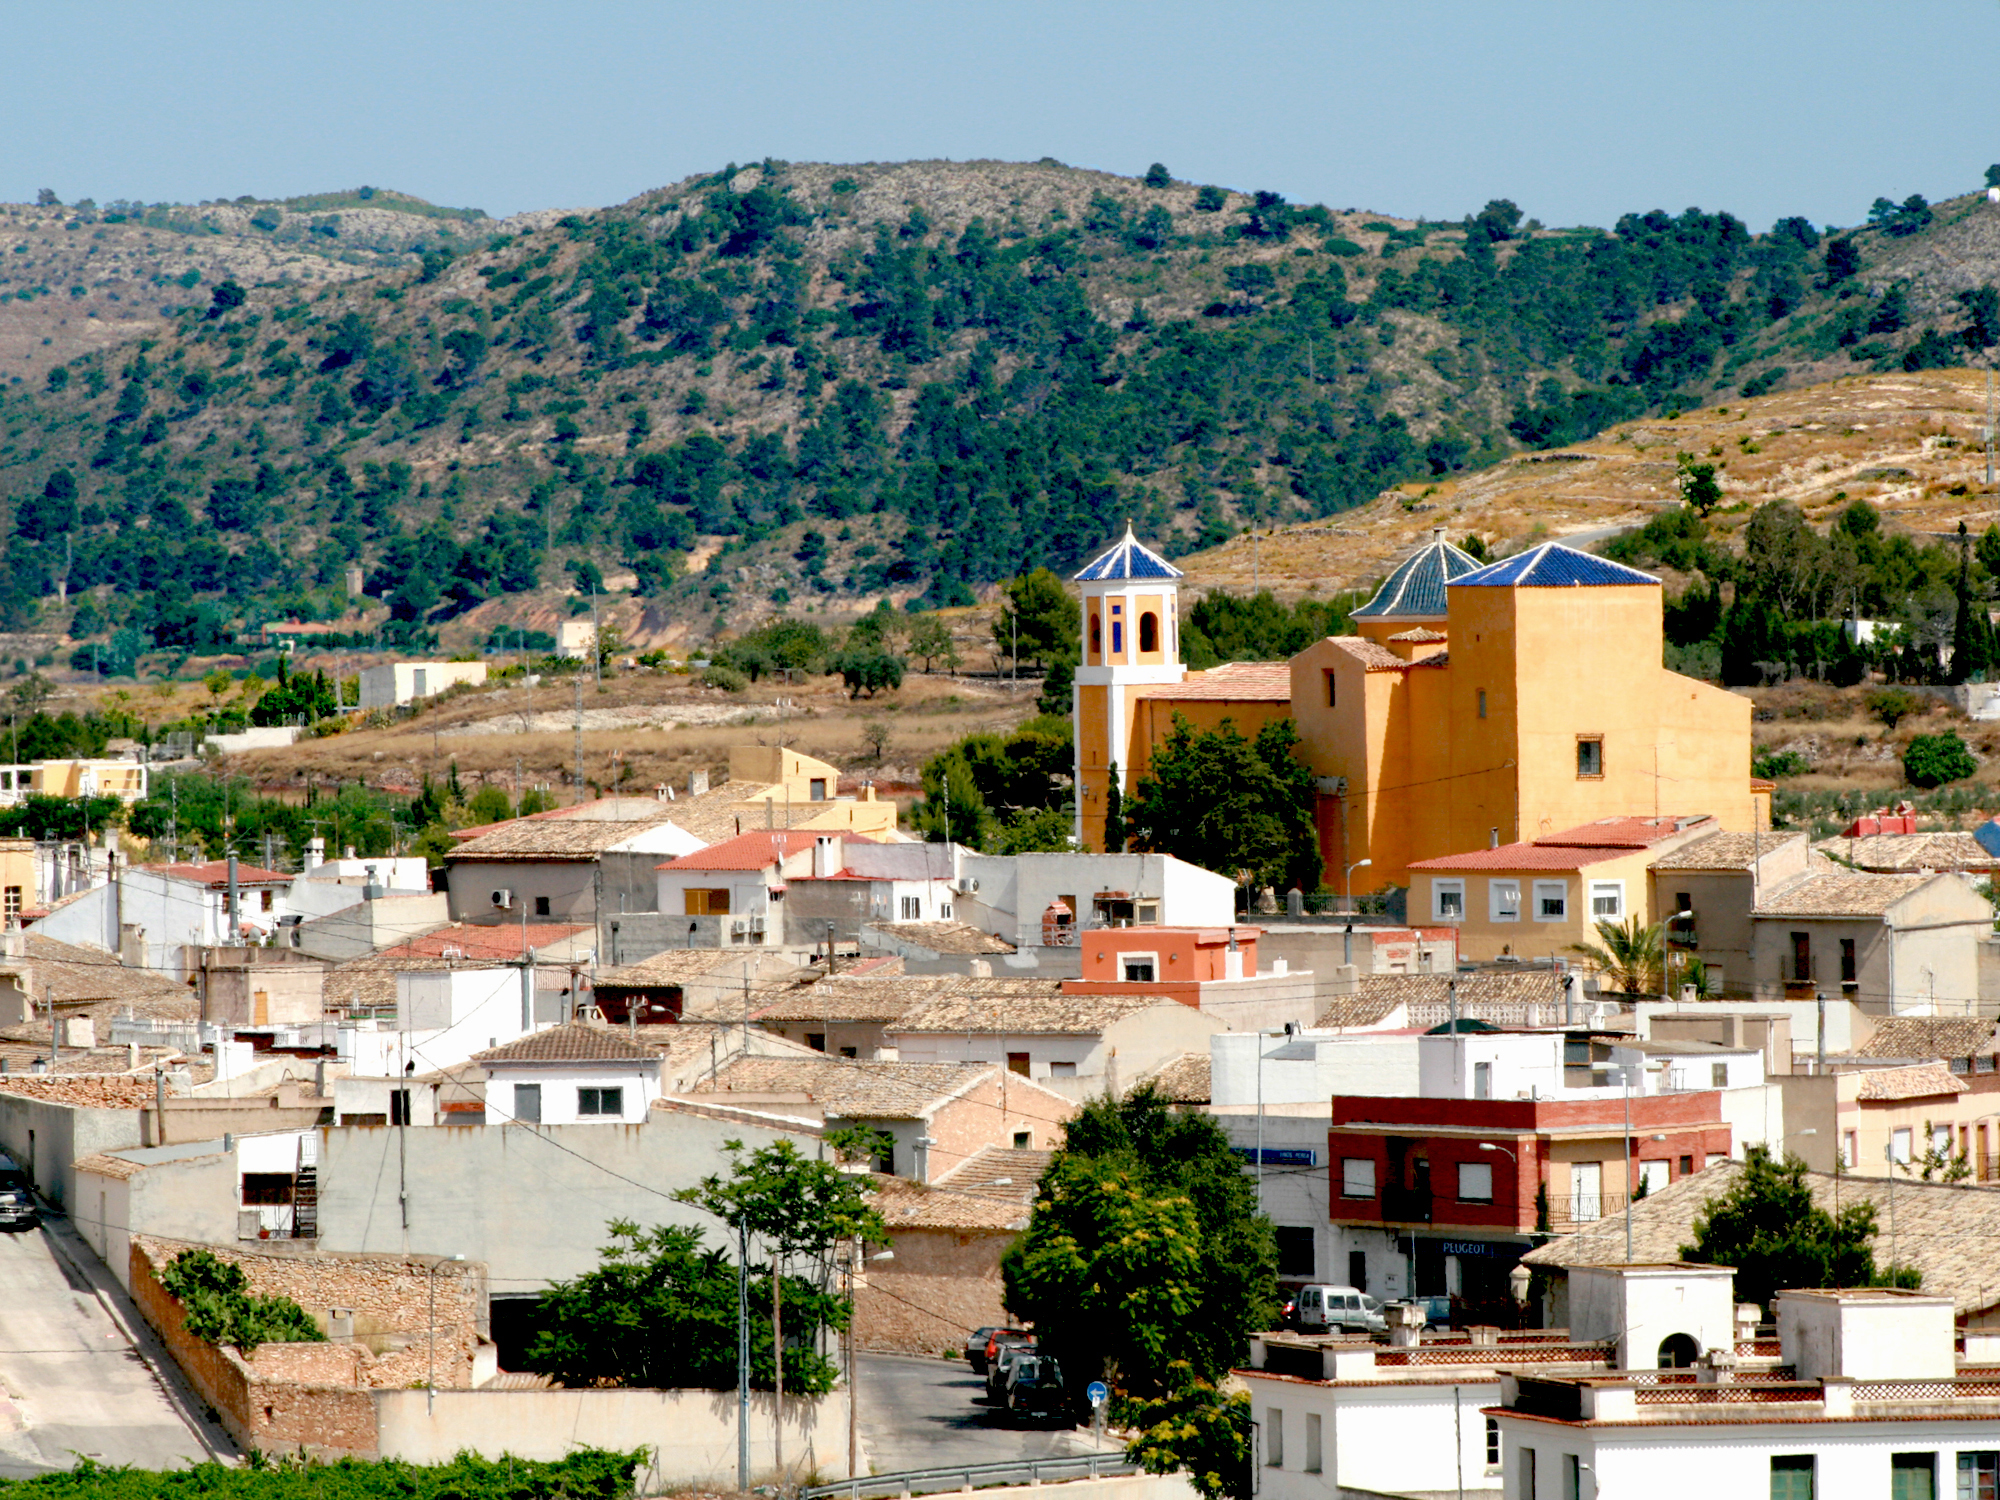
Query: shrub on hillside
point(1934, 759)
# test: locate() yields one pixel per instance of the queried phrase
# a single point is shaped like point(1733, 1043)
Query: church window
point(1332, 691)
point(1482, 703)
point(1096, 635)
point(1149, 631)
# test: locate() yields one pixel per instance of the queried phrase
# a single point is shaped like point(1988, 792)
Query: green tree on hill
point(1240, 807)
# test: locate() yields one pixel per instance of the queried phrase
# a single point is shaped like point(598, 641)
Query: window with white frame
point(1475, 1182)
point(1448, 900)
point(1503, 900)
point(1274, 1437)
point(1139, 968)
point(913, 908)
point(1551, 900)
point(1607, 900)
point(1899, 1144)
point(1357, 1177)
point(1941, 1139)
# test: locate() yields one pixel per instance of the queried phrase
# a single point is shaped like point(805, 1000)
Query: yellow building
point(1477, 706)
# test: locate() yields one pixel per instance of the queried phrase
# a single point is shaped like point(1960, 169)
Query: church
point(1476, 705)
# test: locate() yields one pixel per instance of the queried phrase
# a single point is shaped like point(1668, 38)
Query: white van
point(1344, 1309)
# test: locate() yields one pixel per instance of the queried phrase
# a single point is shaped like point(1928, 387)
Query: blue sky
point(1577, 111)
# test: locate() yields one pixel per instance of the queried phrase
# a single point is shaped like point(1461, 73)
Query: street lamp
point(1358, 864)
point(430, 1385)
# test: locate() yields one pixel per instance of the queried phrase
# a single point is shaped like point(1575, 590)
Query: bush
point(868, 671)
point(1893, 705)
point(720, 675)
point(1771, 765)
point(1934, 759)
point(219, 1309)
point(1210, 200)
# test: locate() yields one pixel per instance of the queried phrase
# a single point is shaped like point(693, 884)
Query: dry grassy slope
point(1909, 444)
point(129, 271)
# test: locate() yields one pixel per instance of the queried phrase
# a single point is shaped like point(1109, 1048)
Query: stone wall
point(321, 1396)
point(942, 1284)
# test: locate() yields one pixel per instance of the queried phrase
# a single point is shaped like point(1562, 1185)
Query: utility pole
point(579, 741)
point(596, 654)
point(1627, 1153)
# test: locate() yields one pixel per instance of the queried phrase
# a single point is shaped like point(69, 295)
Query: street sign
point(1097, 1391)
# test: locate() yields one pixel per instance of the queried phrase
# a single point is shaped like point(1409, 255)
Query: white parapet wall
point(692, 1434)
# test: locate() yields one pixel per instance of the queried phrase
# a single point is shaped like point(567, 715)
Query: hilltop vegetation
point(786, 385)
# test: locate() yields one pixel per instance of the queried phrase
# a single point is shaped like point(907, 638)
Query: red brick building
point(1436, 1197)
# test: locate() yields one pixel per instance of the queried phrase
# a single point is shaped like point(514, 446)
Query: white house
point(1300, 1073)
point(1009, 893)
point(734, 892)
point(575, 1074)
point(443, 1017)
point(1876, 1404)
point(398, 682)
point(168, 911)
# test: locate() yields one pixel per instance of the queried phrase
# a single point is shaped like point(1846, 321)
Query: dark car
point(975, 1347)
point(17, 1198)
point(1002, 1352)
point(1035, 1388)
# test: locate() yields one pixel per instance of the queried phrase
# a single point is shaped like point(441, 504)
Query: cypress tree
point(1114, 813)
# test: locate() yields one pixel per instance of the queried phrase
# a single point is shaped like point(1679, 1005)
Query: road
point(923, 1413)
point(72, 1381)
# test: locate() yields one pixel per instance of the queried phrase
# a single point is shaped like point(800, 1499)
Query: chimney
point(826, 855)
point(315, 853)
point(347, 852)
point(1437, 533)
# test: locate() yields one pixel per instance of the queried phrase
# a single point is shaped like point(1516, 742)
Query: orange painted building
point(1476, 706)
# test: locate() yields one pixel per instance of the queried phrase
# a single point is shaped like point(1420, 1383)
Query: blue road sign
point(1098, 1392)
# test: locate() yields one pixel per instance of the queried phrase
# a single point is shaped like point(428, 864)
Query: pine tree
point(1114, 812)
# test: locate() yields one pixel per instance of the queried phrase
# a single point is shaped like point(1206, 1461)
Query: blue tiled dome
point(1128, 558)
point(1415, 591)
point(1553, 566)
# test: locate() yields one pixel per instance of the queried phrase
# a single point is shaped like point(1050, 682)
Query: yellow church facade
point(1475, 706)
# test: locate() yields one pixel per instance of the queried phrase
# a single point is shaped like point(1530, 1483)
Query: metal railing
point(973, 1477)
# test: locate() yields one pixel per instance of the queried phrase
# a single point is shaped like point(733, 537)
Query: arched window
point(1149, 631)
point(1096, 635)
point(1678, 1351)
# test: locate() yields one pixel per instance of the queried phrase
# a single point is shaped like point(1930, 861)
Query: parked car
point(1342, 1309)
point(980, 1344)
point(1035, 1387)
point(17, 1198)
point(1000, 1364)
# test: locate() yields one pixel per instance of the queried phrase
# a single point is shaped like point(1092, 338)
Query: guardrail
point(973, 1477)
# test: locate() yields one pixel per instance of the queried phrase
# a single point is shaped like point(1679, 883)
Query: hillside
point(793, 387)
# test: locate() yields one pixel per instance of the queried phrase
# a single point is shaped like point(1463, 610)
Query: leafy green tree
point(1210, 199)
point(1114, 811)
point(1843, 259)
point(1196, 1429)
point(1037, 830)
point(1993, 175)
point(1157, 176)
point(1769, 1228)
point(798, 1209)
point(1890, 706)
point(45, 517)
point(952, 809)
point(1498, 221)
point(1236, 806)
point(219, 1308)
point(1145, 1260)
point(870, 672)
point(1934, 759)
point(1037, 622)
point(1057, 685)
point(931, 641)
point(1698, 485)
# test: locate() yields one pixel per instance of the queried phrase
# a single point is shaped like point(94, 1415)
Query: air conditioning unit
point(503, 899)
point(967, 886)
point(756, 924)
point(740, 926)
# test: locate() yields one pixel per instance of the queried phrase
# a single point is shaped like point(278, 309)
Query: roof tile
point(1923, 1081)
point(1127, 557)
point(1232, 682)
point(573, 1042)
point(1841, 895)
point(1552, 565)
point(1415, 590)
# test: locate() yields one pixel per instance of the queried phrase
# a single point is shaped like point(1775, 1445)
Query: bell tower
point(1131, 640)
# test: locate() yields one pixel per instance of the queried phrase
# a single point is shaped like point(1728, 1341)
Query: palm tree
point(1632, 953)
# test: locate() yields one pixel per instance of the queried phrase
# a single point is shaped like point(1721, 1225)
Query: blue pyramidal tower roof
point(1415, 591)
point(1553, 566)
point(1128, 558)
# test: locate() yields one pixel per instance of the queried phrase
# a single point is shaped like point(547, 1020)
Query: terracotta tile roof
point(1368, 1008)
point(369, 982)
point(1232, 682)
point(1725, 851)
point(1930, 1036)
point(671, 967)
point(569, 1043)
point(1946, 1231)
point(214, 874)
point(1024, 1015)
point(1421, 994)
point(1840, 895)
point(633, 812)
point(844, 1088)
point(1922, 1081)
point(485, 943)
point(575, 833)
point(1627, 833)
point(1526, 857)
point(910, 1205)
point(1183, 1079)
point(115, 1167)
point(1891, 853)
point(944, 937)
point(97, 1092)
point(532, 838)
point(891, 999)
point(754, 850)
point(999, 1172)
point(91, 981)
point(1372, 656)
point(1419, 636)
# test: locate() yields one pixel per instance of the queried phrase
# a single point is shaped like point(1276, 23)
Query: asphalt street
point(72, 1382)
point(924, 1413)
